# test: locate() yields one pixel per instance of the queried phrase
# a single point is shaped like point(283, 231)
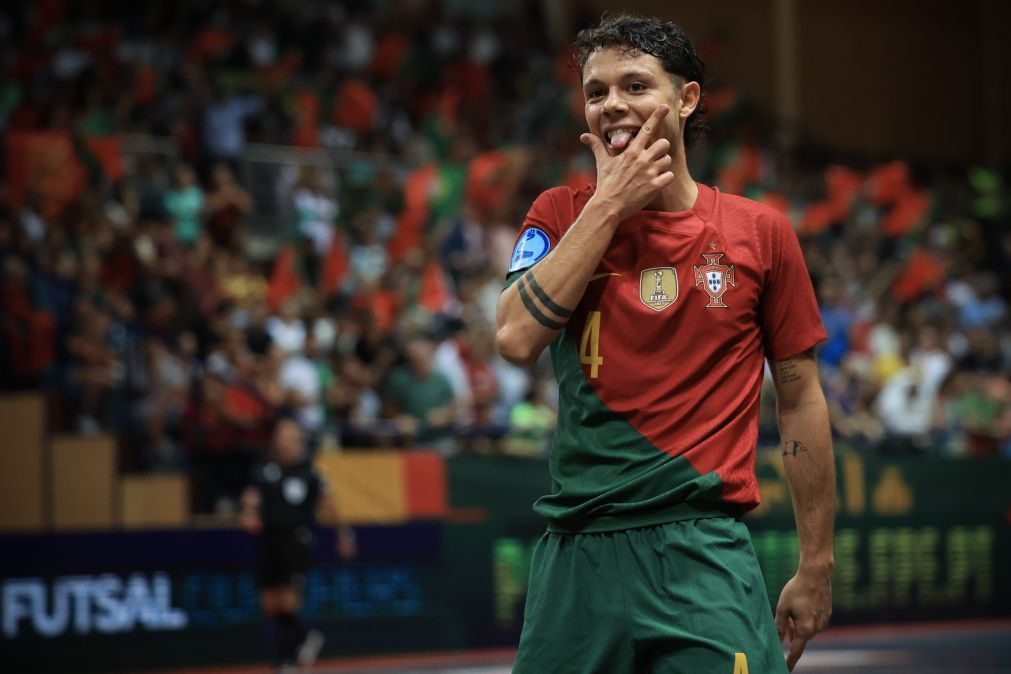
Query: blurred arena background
point(212, 211)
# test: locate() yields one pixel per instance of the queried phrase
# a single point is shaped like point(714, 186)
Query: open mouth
point(619, 139)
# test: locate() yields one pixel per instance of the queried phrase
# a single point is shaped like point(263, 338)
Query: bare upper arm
point(796, 378)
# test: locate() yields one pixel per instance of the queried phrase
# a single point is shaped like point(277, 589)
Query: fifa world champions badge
point(714, 279)
point(658, 287)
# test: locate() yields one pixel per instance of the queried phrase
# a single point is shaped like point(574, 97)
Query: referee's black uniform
point(289, 497)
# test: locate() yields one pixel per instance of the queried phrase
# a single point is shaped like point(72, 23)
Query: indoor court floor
point(978, 647)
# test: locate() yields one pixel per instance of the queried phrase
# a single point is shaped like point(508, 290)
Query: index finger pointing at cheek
point(649, 129)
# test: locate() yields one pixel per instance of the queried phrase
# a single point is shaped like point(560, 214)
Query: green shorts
point(685, 597)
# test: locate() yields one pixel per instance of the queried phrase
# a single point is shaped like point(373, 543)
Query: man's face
point(419, 356)
point(288, 448)
point(622, 89)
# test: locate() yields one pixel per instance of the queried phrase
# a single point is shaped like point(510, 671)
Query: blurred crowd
point(914, 301)
point(130, 294)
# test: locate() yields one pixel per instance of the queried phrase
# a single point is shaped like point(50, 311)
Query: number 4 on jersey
point(589, 345)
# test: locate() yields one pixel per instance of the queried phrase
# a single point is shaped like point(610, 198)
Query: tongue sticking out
point(620, 139)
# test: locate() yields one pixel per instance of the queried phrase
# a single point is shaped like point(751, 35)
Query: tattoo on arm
point(786, 370)
point(534, 310)
point(793, 448)
point(543, 296)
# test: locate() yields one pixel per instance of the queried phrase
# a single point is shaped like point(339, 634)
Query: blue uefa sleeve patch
point(530, 249)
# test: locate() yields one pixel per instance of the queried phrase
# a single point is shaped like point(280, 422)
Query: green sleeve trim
point(512, 277)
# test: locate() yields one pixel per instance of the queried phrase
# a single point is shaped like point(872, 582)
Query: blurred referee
point(281, 504)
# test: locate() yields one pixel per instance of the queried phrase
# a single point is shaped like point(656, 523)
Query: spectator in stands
point(227, 205)
point(315, 210)
point(932, 360)
point(982, 306)
point(305, 380)
point(479, 353)
point(184, 204)
point(850, 394)
point(96, 366)
point(225, 120)
point(369, 255)
point(449, 360)
point(357, 409)
point(239, 283)
point(906, 405)
point(172, 369)
point(420, 399)
point(30, 216)
point(26, 333)
point(287, 330)
point(982, 411)
point(321, 322)
point(375, 350)
point(225, 421)
point(837, 318)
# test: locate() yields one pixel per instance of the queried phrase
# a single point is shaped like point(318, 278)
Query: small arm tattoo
point(793, 448)
point(786, 370)
point(534, 310)
point(544, 298)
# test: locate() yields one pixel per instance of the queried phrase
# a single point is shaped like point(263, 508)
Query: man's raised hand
point(630, 180)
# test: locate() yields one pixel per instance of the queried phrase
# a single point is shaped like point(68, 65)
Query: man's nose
point(614, 103)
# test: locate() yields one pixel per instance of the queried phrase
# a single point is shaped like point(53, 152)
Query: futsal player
point(281, 505)
point(660, 300)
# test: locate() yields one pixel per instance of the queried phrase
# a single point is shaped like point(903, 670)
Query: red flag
point(284, 279)
point(48, 163)
point(411, 223)
point(435, 294)
point(923, 272)
point(335, 268)
point(355, 106)
point(843, 185)
point(887, 182)
point(907, 214)
point(306, 119)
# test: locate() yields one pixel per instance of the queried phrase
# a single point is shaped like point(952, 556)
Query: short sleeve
point(791, 321)
point(321, 485)
point(257, 477)
point(538, 236)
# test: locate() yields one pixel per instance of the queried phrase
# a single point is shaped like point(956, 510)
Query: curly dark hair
point(665, 40)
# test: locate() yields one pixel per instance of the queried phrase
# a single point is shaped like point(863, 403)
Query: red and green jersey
point(660, 367)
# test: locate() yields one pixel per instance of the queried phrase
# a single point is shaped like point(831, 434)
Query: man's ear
point(691, 94)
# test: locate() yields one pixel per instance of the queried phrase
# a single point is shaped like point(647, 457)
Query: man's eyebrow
point(637, 75)
point(630, 75)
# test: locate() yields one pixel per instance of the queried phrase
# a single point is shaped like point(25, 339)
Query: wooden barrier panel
point(83, 484)
point(369, 485)
point(152, 501)
point(425, 485)
point(22, 418)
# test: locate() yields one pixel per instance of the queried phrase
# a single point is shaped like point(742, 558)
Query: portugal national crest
point(714, 278)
